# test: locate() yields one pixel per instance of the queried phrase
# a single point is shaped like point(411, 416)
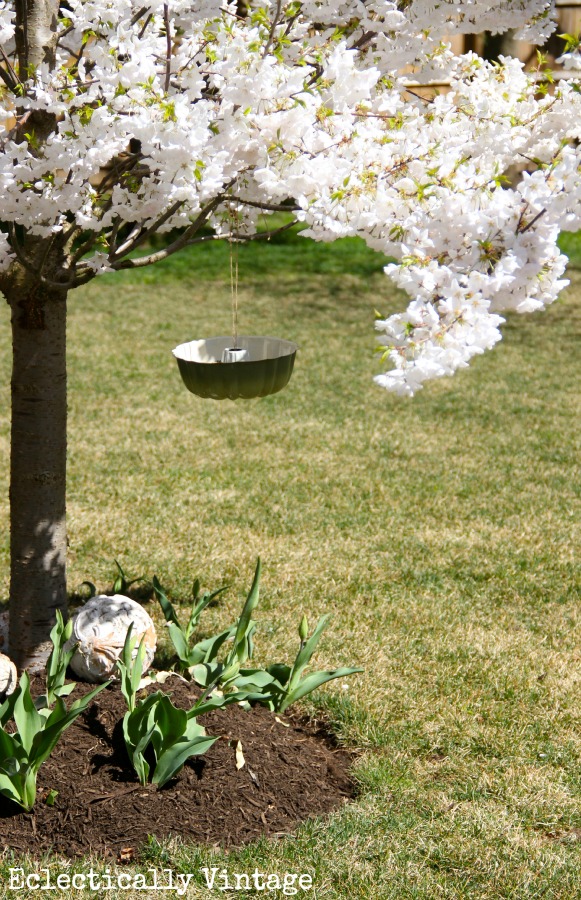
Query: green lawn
point(441, 533)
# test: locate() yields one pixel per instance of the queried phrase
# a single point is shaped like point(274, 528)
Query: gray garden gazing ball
point(99, 630)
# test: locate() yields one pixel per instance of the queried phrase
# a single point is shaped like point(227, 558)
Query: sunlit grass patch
point(442, 534)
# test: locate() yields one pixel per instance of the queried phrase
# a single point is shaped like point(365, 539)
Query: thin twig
point(364, 39)
point(72, 52)
point(132, 242)
point(291, 22)
point(521, 216)
point(532, 222)
point(273, 27)
point(113, 796)
point(64, 33)
point(408, 90)
point(145, 24)
point(365, 115)
point(138, 15)
point(11, 74)
point(228, 12)
point(271, 207)
point(167, 47)
point(8, 81)
point(267, 235)
point(529, 158)
point(258, 236)
point(115, 231)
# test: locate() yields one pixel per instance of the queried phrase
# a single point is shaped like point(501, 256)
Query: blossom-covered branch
point(147, 117)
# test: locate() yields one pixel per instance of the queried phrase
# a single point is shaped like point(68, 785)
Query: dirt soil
point(291, 771)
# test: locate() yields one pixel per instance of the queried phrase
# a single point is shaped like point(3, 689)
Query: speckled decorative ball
point(8, 676)
point(99, 630)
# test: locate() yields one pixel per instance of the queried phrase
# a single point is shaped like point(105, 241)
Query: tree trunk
point(39, 393)
point(36, 34)
point(37, 471)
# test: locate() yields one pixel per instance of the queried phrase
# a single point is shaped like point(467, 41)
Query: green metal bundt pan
point(266, 368)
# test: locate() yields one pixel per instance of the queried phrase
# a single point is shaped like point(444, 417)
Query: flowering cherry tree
point(124, 118)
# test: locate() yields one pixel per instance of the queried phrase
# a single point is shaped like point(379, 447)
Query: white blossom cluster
point(197, 112)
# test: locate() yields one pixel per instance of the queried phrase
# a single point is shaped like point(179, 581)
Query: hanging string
point(234, 276)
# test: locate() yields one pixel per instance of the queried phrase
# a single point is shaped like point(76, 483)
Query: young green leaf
point(57, 664)
point(24, 750)
point(312, 682)
point(166, 606)
point(306, 652)
point(173, 759)
point(244, 622)
point(172, 735)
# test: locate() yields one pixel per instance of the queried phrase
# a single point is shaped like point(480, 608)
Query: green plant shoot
point(57, 664)
point(277, 686)
point(158, 736)
point(223, 674)
point(25, 749)
point(122, 583)
point(202, 652)
point(289, 685)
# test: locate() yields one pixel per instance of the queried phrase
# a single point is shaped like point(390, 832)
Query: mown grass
point(441, 533)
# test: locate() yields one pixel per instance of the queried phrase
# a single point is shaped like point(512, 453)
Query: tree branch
point(363, 40)
point(271, 207)
point(15, 244)
point(291, 22)
point(84, 248)
point(108, 181)
point(9, 77)
point(273, 27)
point(532, 222)
point(139, 15)
point(119, 166)
point(30, 267)
point(266, 235)
point(8, 81)
point(114, 233)
point(65, 32)
point(131, 243)
point(182, 242)
point(167, 47)
point(49, 245)
point(145, 24)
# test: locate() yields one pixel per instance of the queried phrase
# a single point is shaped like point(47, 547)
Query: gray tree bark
point(37, 470)
point(36, 34)
point(39, 394)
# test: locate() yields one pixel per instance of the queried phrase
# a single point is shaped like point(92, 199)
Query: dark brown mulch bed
point(290, 773)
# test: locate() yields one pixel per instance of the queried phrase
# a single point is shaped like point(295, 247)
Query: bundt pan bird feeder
point(237, 367)
point(220, 369)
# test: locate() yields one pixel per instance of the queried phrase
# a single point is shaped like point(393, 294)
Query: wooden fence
point(569, 17)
